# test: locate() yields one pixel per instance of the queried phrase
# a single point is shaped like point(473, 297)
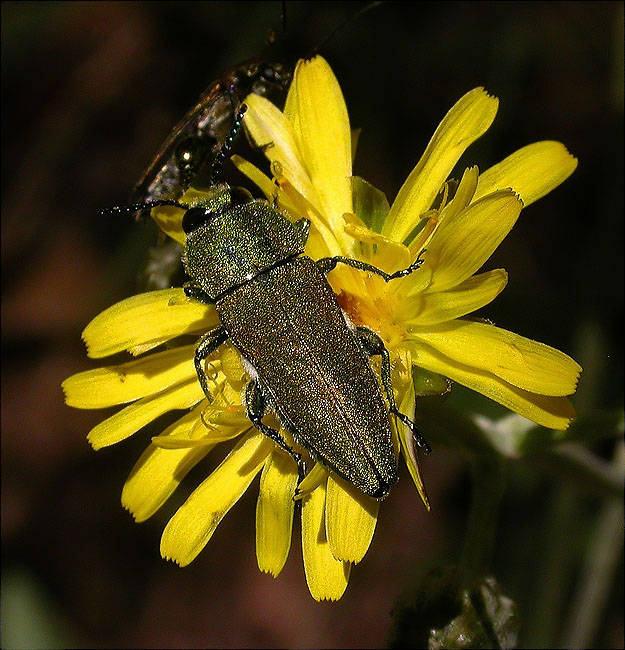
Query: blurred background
point(89, 92)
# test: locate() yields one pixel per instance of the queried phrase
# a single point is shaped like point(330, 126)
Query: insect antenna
point(357, 14)
point(226, 148)
point(136, 207)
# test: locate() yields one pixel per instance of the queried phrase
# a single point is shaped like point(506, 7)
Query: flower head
point(455, 228)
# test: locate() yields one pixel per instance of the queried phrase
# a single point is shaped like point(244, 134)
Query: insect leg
point(226, 147)
point(207, 345)
point(326, 264)
point(374, 345)
point(195, 292)
point(255, 403)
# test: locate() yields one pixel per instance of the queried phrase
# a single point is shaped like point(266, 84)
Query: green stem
point(585, 469)
point(600, 565)
point(488, 487)
point(554, 561)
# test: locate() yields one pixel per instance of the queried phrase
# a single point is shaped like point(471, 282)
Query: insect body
point(199, 135)
point(306, 363)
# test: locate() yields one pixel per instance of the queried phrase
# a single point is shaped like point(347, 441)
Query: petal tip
point(88, 345)
point(65, 389)
point(170, 558)
point(330, 598)
point(519, 198)
point(480, 90)
point(94, 445)
point(136, 515)
point(268, 571)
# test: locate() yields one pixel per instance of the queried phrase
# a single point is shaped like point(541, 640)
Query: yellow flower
point(310, 148)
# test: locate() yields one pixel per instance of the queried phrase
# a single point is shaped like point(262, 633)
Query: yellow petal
point(389, 255)
point(270, 130)
point(169, 218)
point(317, 475)
point(321, 124)
point(156, 315)
point(406, 441)
point(132, 418)
point(189, 530)
point(274, 512)
point(228, 418)
point(158, 472)
point(463, 242)
point(551, 412)
point(430, 308)
point(350, 520)
point(290, 104)
point(262, 181)
point(217, 421)
point(532, 171)
point(127, 382)
point(138, 350)
point(326, 577)
point(463, 194)
point(467, 120)
point(412, 286)
point(184, 442)
point(524, 363)
point(232, 368)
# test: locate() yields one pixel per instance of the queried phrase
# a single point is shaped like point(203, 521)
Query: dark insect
point(198, 137)
point(306, 362)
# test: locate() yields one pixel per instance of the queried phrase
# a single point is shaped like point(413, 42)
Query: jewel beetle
point(306, 362)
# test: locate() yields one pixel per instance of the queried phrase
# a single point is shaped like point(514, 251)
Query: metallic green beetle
point(306, 362)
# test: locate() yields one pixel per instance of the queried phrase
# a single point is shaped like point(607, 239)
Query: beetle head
point(232, 238)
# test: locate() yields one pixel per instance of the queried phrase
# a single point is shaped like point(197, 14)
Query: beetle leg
point(374, 345)
point(195, 292)
point(207, 345)
point(326, 264)
point(255, 403)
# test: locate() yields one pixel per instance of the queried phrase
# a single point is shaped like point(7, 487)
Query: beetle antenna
point(339, 27)
point(136, 207)
point(226, 148)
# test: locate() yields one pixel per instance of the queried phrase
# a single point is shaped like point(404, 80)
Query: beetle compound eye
point(239, 196)
point(194, 218)
point(190, 153)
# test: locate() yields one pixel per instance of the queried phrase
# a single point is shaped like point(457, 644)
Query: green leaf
point(429, 383)
point(370, 203)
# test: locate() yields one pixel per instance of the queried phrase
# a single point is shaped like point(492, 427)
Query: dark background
point(89, 91)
